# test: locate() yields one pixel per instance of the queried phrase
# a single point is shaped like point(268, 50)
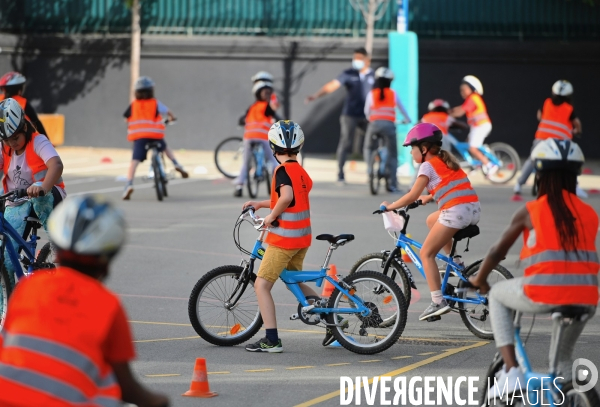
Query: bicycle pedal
point(294, 317)
point(434, 318)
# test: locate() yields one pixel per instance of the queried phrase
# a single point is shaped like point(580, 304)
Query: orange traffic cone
point(405, 256)
point(328, 287)
point(199, 386)
point(352, 165)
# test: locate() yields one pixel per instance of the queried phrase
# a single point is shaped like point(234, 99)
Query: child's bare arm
point(411, 196)
point(576, 126)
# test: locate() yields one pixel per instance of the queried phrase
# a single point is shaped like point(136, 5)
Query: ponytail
point(448, 159)
point(381, 84)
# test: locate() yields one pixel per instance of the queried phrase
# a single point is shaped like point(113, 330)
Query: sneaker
point(238, 191)
point(329, 338)
point(492, 169)
point(127, 192)
point(517, 189)
point(341, 182)
point(265, 345)
point(580, 192)
point(435, 310)
point(179, 169)
point(506, 382)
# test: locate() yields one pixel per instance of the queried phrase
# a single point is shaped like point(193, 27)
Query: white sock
point(437, 296)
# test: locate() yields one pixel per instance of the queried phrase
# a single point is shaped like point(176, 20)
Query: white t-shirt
point(434, 179)
point(19, 174)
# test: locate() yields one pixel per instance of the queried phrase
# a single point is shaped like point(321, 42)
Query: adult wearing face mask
point(358, 81)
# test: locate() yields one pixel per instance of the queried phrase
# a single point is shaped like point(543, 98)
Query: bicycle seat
point(152, 144)
point(339, 239)
point(572, 311)
point(466, 233)
point(33, 219)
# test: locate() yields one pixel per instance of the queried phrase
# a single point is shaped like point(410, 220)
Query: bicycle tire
point(368, 261)
point(391, 292)
point(252, 180)
point(267, 178)
point(374, 178)
point(495, 366)
point(5, 292)
point(464, 309)
point(203, 330)
point(590, 397)
point(224, 163)
point(163, 178)
point(157, 176)
point(509, 168)
point(47, 254)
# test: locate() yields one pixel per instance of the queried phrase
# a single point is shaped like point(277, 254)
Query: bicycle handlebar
point(412, 205)
point(17, 194)
point(257, 221)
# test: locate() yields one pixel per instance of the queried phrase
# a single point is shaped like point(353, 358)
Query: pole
point(402, 17)
point(370, 26)
point(136, 39)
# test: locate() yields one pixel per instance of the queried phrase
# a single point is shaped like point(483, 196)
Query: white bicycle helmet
point(144, 82)
point(438, 103)
point(474, 83)
point(12, 79)
point(554, 154)
point(88, 226)
point(562, 88)
point(285, 136)
point(384, 72)
point(260, 85)
point(262, 76)
point(12, 118)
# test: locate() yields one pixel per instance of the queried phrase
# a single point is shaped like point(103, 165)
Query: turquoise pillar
point(404, 62)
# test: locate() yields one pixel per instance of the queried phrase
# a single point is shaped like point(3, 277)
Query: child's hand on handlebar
point(34, 191)
point(384, 203)
point(268, 221)
point(254, 204)
point(425, 199)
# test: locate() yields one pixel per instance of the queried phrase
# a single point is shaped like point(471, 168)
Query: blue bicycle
point(472, 306)
point(541, 389)
point(27, 258)
point(500, 154)
point(366, 311)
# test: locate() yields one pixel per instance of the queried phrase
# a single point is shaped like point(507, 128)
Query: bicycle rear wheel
point(213, 319)
point(510, 163)
point(378, 331)
point(163, 176)
point(252, 178)
point(374, 178)
point(476, 316)
point(5, 291)
point(47, 254)
point(229, 155)
point(157, 178)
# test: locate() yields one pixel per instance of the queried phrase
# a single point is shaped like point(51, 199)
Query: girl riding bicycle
point(380, 109)
point(12, 85)
point(29, 161)
point(559, 254)
point(458, 205)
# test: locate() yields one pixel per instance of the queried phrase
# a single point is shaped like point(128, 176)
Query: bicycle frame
point(156, 155)
point(6, 230)
point(259, 156)
point(463, 149)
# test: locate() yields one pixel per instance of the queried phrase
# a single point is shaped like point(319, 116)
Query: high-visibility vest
point(36, 164)
point(145, 121)
point(383, 109)
point(555, 276)
point(51, 349)
point(20, 100)
point(454, 187)
point(478, 116)
point(555, 122)
point(440, 119)
point(257, 122)
point(294, 230)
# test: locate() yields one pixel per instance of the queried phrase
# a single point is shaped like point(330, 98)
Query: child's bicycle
point(378, 164)
point(500, 154)
point(541, 389)
point(158, 171)
point(472, 306)
point(366, 311)
point(27, 258)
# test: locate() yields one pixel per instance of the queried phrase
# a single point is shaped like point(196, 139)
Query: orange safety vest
point(478, 116)
point(440, 119)
point(36, 164)
point(145, 122)
point(555, 122)
point(383, 109)
point(294, 230)
point(555, 276)
point(454, 188)
point(51, 349)
point(257, 122)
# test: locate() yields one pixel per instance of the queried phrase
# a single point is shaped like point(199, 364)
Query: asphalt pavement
point(173, 243)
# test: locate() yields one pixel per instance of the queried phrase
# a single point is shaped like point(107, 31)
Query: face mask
point(358, 64)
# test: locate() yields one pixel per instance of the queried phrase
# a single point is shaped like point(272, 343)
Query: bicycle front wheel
point(163, 176)
point(476, 317)
point(229, 155)
point(374, 177)
point(510, 163)
point(157, 178)
point(216, 321)
point(252, 177)
point(5, 291)
point(382, 328)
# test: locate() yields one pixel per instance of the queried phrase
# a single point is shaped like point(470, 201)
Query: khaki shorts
point(276, 259)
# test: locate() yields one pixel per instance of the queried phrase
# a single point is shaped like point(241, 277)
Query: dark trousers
point(348, 132)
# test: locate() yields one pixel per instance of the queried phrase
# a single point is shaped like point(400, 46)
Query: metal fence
point(559, 19)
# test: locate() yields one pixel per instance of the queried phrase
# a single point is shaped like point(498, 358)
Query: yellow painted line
point(163, 375)
point(259, 370)
point(426, 353)
point(405, 369)
point(401, 357)
point(338, 364)
point(219, 372)
point(369, 361)
point(167, 339)
point(298, 367)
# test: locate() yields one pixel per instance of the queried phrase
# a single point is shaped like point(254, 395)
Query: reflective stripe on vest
point(291, 232)
point(383, 109)
point(562, 279)
point(479, 115)
point(454, 187)
point(560, 255)
point(456, 194)
point(440, 119)
point(555, 121)
point(257, 122)
point(451, 185)
point(295, 216)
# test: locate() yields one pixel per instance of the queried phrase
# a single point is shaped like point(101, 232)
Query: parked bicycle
point(542, 389)
point(27, 247)
point(472, 306)
point(366, 311)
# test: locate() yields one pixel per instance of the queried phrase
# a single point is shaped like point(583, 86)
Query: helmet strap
point(275, 156)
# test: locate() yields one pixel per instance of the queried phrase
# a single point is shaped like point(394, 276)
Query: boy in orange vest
point(557, 120)
point(290, 239)
point(145, 124)
point(12, 85)
point(257, 122)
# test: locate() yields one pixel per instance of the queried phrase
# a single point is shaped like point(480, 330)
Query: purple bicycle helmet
point(423, 132)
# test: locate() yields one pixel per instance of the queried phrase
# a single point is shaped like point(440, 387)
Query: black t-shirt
point(282, 178)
